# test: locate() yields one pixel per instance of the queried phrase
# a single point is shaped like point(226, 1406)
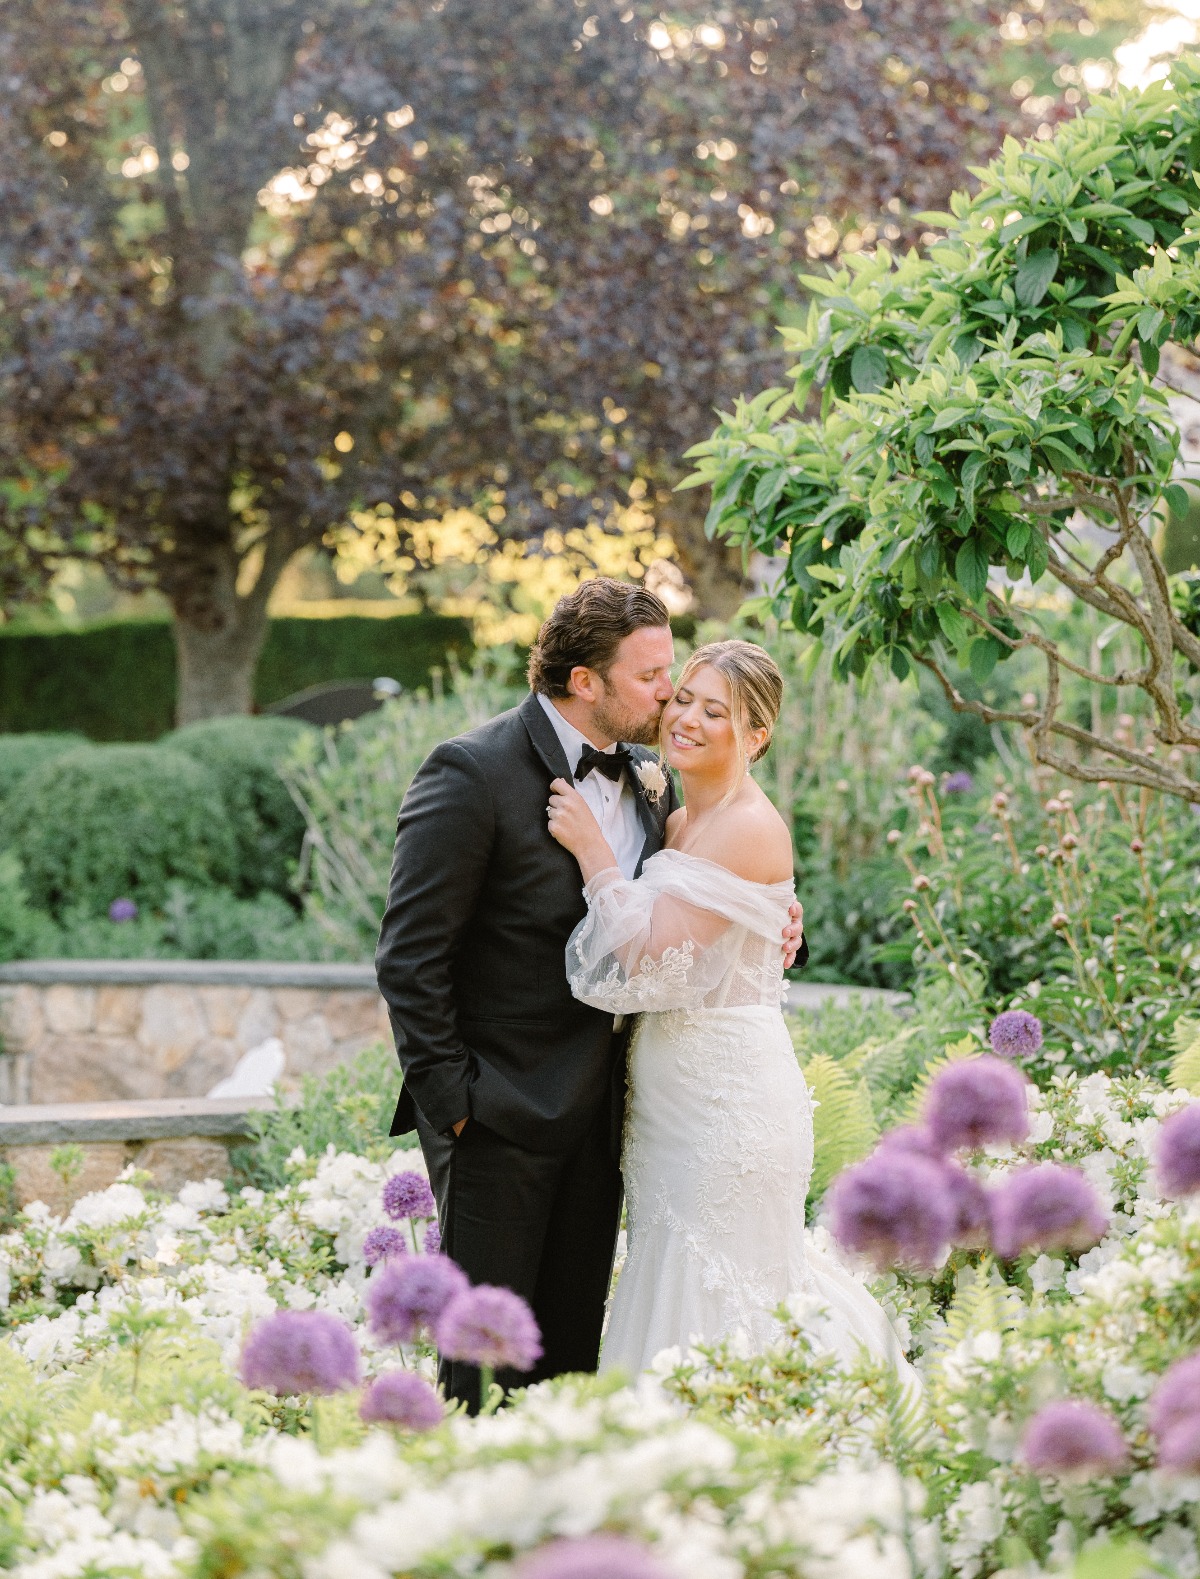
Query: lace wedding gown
point(718, 1144)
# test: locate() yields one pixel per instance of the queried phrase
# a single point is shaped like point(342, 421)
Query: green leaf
point(949, 417)
point(971, 568)
point(1184, 1071)
point(1178, 499)
point(844, 1127)
point(868, 369)
point(1034, 276)
point(1016, 538)
point(984, 655)
point(898, 662)
point(767, 490)
point(1037, 557)
point(954, 625)
point(969, 476)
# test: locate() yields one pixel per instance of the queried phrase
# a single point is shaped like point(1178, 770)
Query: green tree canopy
point(991, 421)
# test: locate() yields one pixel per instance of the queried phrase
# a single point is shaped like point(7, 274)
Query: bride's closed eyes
point(712, 708)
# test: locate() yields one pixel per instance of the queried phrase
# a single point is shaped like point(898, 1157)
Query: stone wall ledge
point(321, 975)
point(57, 1123)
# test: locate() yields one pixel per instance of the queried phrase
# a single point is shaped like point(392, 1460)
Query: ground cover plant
point(158, 1419)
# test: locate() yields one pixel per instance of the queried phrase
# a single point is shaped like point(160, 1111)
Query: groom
point(515, 1089)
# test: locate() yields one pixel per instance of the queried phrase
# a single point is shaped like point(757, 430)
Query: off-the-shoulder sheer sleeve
point(669, 938)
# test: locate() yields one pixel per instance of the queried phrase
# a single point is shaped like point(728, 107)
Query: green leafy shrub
point(1080, 906)
point(106, 822)
point(193, 923)
point(20, 754)
point(351, 781)
point(268, 827)
point(350, 1109)
point(24, 931)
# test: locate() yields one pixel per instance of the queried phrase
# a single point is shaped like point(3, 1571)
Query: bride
point(718, 1143)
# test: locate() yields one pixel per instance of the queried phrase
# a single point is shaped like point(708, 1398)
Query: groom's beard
point(620, 724)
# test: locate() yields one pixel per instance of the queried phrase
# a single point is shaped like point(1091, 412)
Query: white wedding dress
point(718, 1144)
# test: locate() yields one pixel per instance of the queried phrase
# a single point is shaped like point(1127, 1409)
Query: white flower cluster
point(726, 1463)
point(222, 1262)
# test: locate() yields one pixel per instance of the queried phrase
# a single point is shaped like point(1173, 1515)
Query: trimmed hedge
point(115, 679)
point(268, 827)
point(110, 822)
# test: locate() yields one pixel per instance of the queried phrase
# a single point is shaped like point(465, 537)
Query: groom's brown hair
point(585, 629)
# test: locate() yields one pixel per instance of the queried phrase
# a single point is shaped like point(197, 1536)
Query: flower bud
point(920, 882)
point(1054, 806)
point(893, 836)
point(1042, 852)
point(909, 906)
point(1060, 919)
point(1136, 846)
point(999, 800)
point(1069, 841)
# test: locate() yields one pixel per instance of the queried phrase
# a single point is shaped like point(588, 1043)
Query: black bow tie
point(610, 763)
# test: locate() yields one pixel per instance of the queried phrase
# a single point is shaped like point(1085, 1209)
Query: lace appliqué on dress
point(653, 978)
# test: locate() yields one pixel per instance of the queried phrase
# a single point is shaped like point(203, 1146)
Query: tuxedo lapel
point(648, 814)
point(545, 742)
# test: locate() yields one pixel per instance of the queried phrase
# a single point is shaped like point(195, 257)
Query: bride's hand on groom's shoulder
point(793, 934)
point(571, 822)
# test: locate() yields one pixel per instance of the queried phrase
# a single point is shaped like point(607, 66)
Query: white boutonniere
point(652, 779)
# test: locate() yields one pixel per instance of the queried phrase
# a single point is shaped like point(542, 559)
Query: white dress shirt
point(613, 804)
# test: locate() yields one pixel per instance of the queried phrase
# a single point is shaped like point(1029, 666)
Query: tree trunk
point(713, 569)
point(219, 632)
point(215, 663)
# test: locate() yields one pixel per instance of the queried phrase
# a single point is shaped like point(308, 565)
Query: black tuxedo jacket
point(472, 951)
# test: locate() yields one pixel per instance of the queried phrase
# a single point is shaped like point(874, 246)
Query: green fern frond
point(1184, 1071)
point(966, 1047)
point(844, 1127)
point(982, 1303)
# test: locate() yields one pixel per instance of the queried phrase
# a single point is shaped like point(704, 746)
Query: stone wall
point(105, 1030)
point(173, 1141)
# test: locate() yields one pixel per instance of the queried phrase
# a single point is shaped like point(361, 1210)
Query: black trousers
point(543, 1224)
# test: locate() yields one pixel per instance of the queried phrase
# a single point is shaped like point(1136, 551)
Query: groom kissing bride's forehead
point(515, 1086)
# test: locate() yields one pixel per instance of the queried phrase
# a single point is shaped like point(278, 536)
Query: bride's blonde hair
point(755, 690)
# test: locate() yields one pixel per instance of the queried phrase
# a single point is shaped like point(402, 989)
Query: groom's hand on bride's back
point(793, 934)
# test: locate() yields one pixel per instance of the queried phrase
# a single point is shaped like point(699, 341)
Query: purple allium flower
point(381, 1242)
point(1070, 1437)
point(978, 1102)
point(960, 783)
point(402, 1398)
point(1047, 1207)
point(432, 1242)
point(893, 1207)
point(300, 1351)
point(1179, 1449)
point(592, 1557)
point(909, 1138)
point(408, 1195)
point(489, 1326)
point(1176, 1399)
point(967, 1197)
point(122, 910)
point(971, 1204)
point(1015, 1034)
point(407, 1295)
point(1178, 1152)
